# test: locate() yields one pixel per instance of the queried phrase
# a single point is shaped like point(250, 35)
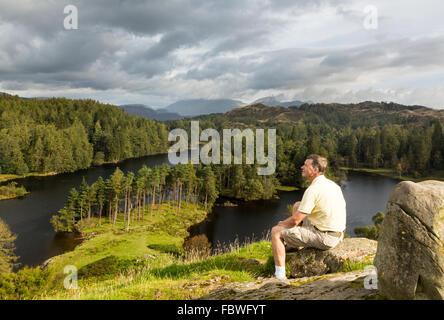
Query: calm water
point(29, 216)
point(364, 194)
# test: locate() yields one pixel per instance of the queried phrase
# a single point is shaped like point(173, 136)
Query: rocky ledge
point(338, 286)
point(314, 275)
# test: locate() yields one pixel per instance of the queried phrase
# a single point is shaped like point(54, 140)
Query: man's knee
point(276, 232)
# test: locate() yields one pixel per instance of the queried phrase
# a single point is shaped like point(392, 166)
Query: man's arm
point(295, 219)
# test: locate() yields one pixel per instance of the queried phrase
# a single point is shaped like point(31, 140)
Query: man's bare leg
point(278, 247)
point(277, 244)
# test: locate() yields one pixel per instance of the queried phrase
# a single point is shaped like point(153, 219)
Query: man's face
point(307, 169)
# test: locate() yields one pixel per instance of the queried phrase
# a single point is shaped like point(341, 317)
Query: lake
point(29, 216)
point(364, 194)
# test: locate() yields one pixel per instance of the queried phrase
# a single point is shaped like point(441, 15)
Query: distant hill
point(148, 112)
point(272, 101)
point(203, 106)
point(363, 114)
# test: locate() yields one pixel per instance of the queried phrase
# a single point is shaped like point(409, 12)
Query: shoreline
point(12, 191)
point(91, 234)
point(13, 196)
point(10, 177)
point(385, 172)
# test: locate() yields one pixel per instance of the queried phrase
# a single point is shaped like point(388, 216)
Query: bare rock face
point(410, 253)
point(339, 286)
point(314, 262)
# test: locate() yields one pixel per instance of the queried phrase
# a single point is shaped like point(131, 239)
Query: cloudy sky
point(158, 52)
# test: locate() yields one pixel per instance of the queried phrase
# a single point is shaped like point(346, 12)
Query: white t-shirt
point(324, 204)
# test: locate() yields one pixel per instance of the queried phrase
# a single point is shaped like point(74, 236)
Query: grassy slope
point(149, 262)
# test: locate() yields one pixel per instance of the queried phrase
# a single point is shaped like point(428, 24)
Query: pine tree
point(117, 185)
point(100, 189)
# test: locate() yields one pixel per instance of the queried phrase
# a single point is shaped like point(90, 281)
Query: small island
point(11, 190)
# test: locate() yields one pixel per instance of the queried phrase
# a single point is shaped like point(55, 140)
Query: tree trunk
point(138, 205)
point(116, 201)
point(100, 214)
point(110, 205)
point(153, 201)
point(180, 195)
point(143, 208)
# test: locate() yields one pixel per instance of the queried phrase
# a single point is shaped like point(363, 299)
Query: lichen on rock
point(409, 258)
point(338, 286)
point(311, 262)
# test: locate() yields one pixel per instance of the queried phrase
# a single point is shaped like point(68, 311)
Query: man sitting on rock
point(324, 227)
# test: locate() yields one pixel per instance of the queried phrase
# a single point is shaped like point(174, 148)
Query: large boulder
point(309, 262)
point(410, 254)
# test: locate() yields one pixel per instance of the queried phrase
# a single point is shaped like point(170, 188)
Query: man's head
point(314, 166)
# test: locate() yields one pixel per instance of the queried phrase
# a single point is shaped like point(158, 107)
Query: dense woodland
point(63, 135)
point(413, 147)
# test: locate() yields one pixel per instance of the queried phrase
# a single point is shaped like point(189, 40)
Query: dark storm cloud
point(180, 24)
point(198, 47)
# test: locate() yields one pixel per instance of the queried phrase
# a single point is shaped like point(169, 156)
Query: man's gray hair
point(318, 162)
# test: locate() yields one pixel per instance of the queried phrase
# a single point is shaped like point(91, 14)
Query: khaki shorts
point(308, 236)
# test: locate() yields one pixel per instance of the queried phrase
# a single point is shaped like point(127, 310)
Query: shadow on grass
point(108, 267)
point(167, 248)
point(223, 262)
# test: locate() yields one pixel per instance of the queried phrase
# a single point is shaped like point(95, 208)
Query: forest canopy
point(64, 135)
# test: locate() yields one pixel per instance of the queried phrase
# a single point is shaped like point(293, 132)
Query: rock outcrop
point(309, 262)
point(339, 286)
point(410, 253)
point(309, 280)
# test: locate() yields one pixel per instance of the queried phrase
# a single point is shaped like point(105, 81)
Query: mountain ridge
point(195, 107)
point(142, 110)
point(367, 113)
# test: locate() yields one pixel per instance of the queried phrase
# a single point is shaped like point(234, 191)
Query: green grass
point(286, 188)
point(435, 175)
point(349, 266)
point(6, 176)
point(166, 276)
point(148, 262)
